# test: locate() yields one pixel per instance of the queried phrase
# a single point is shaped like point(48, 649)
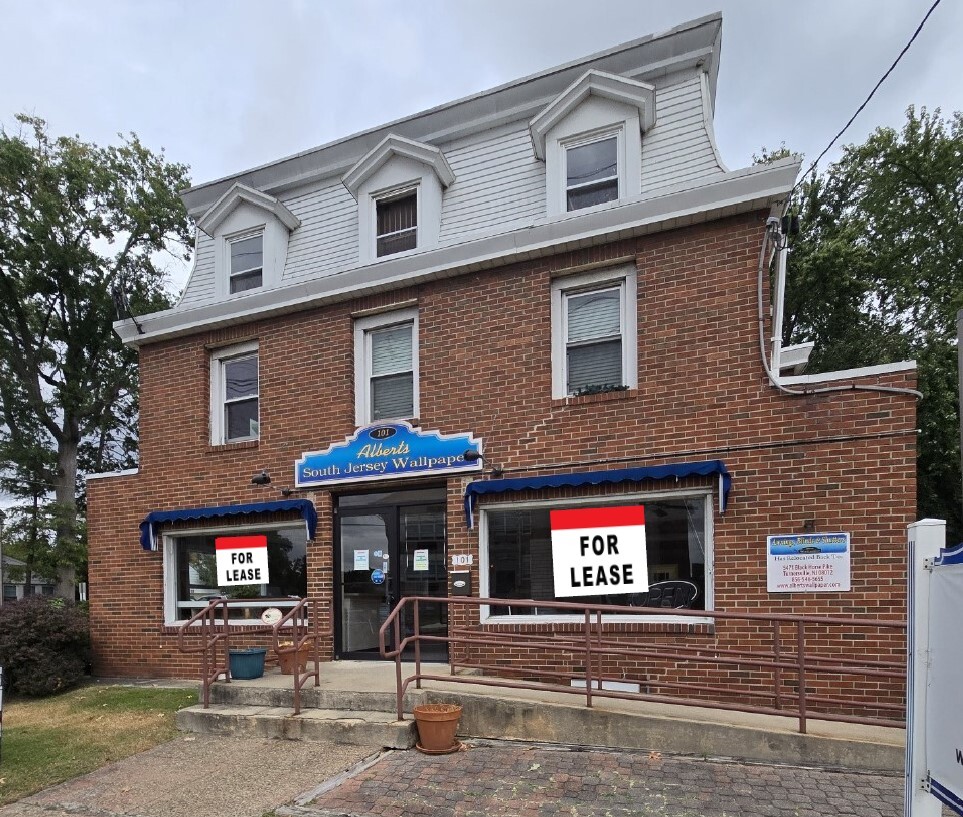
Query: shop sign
point(808, 563)
point(386, 451)
point(241, 560)
point(598, 551)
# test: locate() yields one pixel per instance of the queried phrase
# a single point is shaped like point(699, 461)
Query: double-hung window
point(247, 263)
point(594, 333)
point(591, 172)
point(386, 366)
point(235, 395)
point(397, 223)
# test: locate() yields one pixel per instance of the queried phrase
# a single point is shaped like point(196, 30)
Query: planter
point(437, 725)
point(247, 664)
point(287, 661)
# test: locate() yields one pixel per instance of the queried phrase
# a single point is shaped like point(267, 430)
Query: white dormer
point(590, 138)
point(398, 186)
point(250, 231)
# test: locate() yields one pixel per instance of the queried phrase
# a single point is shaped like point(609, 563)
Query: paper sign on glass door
point(361, 560)
point(420, 560)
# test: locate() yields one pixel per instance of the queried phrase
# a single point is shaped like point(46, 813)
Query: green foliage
point(77, 221)
point(44, 646)
point(876, 276)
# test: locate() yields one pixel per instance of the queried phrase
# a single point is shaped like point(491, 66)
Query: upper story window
point(235, 395)
point(594, 336)
point(592, 173)
point(590, 138)
point(397, 222)
point(386, 367)
point(247, 263)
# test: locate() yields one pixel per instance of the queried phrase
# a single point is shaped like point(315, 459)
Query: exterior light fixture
point(474, 456)
point(264, 478)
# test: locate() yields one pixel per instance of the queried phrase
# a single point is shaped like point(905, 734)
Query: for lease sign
point(597, 551)
point(241, 560)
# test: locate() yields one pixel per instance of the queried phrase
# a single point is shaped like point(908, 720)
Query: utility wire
point(876, 87)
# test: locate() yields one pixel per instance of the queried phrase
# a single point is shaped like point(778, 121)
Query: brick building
point(559, 274)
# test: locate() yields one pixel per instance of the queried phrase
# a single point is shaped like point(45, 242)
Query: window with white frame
point(396, 218)
point(386, 367)
point(591, 172)
point(190, 570)
point(247, 262)
point(594, 336)
point(235, 395)
point(517, 552)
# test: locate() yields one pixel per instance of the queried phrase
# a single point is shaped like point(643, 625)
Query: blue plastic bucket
point(247, 664)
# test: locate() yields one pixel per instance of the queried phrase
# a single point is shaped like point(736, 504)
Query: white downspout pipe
point(782, 254)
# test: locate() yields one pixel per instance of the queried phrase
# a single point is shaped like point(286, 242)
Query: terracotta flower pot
point(289, 660)
point(437, 725)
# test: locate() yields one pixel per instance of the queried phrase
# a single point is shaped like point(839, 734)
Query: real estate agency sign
point(241, 560)
point(598, 551)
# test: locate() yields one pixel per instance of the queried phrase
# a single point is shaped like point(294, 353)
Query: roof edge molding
point(241, 193)
point(394, 145)
point(630, 92)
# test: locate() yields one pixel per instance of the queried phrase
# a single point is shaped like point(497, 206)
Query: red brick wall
point(845, 460)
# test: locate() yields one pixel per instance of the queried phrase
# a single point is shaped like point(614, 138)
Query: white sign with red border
point(241, 560)
point(599, 551)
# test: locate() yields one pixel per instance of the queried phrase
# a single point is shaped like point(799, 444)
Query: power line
point(876, 87)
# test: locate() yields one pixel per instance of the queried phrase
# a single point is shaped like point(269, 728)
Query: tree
point(876, 276)
point(78, 222)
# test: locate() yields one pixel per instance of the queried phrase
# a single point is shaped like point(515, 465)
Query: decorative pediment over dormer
point(241, 194)
point(629, 92)
point(388, 148)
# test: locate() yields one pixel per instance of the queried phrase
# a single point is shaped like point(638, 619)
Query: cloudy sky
point(224, 86)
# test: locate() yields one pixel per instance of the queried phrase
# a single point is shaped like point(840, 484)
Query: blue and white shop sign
point(387, 450)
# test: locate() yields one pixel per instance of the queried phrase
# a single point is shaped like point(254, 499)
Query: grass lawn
point(49, 740)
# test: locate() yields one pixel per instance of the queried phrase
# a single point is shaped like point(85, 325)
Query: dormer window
point(247, 263)
point(397, 222)
point(592, 172)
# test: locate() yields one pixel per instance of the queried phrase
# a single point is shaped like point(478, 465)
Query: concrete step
point(354, 727)
point(243, 694)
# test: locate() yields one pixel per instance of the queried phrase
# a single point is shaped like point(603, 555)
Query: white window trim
point(218, 386)
point(625, 277)
point(586, 139)
point(362, 358)
point(170, 574)
point(622, 499)
point(394, 193)
point(233, 239)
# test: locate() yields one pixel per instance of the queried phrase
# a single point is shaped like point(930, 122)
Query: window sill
point(240, 445)
point(588, 399)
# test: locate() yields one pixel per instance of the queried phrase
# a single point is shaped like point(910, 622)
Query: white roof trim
point(128, 472)
point(740, 191)
point(631, 92)
point(239, 193)
point(394, 145)
point(848, 374)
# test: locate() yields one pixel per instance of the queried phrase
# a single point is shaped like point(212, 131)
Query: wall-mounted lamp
point(474, 456)
point(264, 478)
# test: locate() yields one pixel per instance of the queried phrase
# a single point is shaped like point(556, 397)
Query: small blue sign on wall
point(385, 451)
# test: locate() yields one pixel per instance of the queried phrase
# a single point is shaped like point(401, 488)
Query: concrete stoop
point(368, 719)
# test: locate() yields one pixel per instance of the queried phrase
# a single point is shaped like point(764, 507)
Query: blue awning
point(153, 520)
point(678, 470)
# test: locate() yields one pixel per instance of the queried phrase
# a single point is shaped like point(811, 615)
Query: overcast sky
point(224, 86)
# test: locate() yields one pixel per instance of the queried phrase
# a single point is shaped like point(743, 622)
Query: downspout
point(782, 254)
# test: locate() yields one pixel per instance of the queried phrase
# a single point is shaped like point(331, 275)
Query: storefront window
point(519, 558)
point(194, 576)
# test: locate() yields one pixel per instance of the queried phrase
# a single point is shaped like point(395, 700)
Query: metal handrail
point(214, 627)
point(589, 642)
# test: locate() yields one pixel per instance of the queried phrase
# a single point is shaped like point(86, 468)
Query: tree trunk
point(65, 486)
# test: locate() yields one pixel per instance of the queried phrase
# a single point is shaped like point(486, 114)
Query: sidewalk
point(208, 776)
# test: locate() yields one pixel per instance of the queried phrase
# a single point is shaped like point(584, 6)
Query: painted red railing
point(210, 632)
point(780, 651)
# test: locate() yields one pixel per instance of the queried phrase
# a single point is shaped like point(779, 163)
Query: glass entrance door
point(389, 546)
